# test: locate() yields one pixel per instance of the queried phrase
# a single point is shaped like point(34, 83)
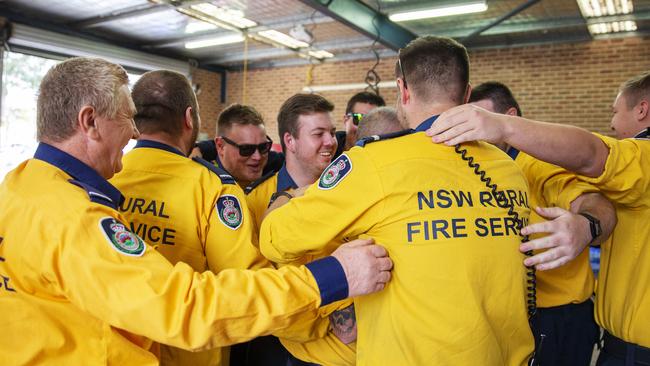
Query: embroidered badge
point(121, 238)
point(335, 172)
point(229, 211)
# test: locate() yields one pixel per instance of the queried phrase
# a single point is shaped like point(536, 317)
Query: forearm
point(572, 148)
point(598, 206)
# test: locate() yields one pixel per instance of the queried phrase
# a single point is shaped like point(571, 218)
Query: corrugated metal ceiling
point(157, 26)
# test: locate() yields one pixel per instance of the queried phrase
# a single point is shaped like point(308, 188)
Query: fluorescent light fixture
point(229, 16)
point(194, 27)
point(612, 27)
point(320, 54)
point(282, 39)
point(442, 11)
point(600, 8)
point(216, 41)
point(339, 87)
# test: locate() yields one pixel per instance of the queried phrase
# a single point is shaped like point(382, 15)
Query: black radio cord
point(531, 282)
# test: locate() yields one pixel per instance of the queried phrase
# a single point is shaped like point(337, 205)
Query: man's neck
point(167, 140)
point(420, 112)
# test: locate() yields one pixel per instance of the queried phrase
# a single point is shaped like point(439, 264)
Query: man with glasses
point(242, 145)
point(80, 288)
point(358, 106)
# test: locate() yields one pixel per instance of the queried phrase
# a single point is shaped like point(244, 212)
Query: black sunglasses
point(249, 149)
point(401, 69)
point(356, 117)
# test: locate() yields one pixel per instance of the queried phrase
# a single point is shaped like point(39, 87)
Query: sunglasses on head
point(249, 149)
point(356, 117)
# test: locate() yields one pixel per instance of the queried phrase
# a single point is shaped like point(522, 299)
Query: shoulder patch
point(120, 238)
point(225, 177)
point(335, 172)
point(256, 183)
point(387, 136)
point(229, 211)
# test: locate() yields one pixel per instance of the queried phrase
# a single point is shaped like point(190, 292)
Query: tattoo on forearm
point(344, 320)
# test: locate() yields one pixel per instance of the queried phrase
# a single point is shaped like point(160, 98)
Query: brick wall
point(209, 99)
point(564, 83)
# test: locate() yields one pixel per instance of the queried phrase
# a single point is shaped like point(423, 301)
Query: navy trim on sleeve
point(331, 280)
point(222, 173)
point(158, 145)
point(512, 152)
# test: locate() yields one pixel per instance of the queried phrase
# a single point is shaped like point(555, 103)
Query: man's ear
point(641, 111)
point(404, 93)
point(87, 122)
point(188, 120)
point(289, 142)
point(468, 93)
point(512, 111)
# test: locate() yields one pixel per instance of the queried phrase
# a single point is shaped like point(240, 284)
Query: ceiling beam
point(120, 15)
point(543, 25)
point(366, 20)
point(358, 56)
point(265, 53)
point(499, 20)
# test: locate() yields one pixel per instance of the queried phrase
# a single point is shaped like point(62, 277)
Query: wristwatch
point(277, 194)
point(594, 226)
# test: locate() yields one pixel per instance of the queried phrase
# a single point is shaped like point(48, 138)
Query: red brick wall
point(209, 99)
point(564, 83)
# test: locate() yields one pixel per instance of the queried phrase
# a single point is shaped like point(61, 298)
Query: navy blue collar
point(512, 152)
point(284, 180)
point(426, 124)
point(643, 134)
point(95, 185)
point(158, 145)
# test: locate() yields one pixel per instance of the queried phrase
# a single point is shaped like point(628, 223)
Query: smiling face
point(315, 144)
point(244, 169)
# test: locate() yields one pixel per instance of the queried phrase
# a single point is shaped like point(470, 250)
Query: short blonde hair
point(69, 86)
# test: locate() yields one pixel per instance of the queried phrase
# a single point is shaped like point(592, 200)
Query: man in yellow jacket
point(564, 322)
point(78, 287)
point(459, 291)
point(618, 168)
point(193, 211)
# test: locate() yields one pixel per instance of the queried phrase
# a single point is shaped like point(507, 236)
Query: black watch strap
point(594, 226)
point(277, 194)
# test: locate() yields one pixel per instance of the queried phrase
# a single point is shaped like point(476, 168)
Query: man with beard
point(170, 200)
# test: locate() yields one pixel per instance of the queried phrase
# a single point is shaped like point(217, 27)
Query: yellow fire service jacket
point(258, 194)
point(327, 350)
point(79, 288)
point(551, 185)
point(458, 293)
point(622, 296)
point(193, 212)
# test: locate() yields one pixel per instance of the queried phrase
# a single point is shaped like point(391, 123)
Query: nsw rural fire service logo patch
point(120, 238)
point(229, 211)
point(335, 172)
